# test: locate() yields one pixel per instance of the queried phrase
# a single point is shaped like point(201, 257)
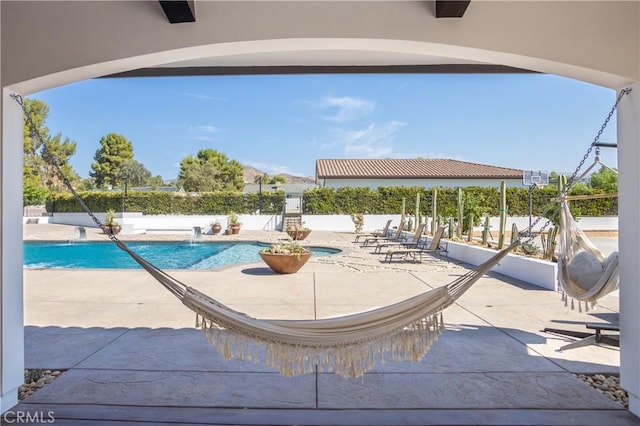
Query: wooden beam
point(321, 69)
point(451, 8)
point(179, 11)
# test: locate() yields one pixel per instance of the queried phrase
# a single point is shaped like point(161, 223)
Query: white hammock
point(348, 345)
point(584, 273)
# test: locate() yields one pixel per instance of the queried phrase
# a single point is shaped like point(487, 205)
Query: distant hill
point(250, 174)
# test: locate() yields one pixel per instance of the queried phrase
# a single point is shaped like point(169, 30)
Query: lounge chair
point(414, 242)
point(436, 246)
point(585, 339)
point(377, 233)
point(397, 237)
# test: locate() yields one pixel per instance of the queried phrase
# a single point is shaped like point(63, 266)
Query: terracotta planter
point(299, 235)
point(112, 229)
point(215, 229)
point(235, 229)
point(285, 263)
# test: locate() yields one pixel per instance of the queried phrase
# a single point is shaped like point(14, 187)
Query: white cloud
point(204, 133)
point(373, 141)
point(201, 96)
point(346, 108)
point(208, 129)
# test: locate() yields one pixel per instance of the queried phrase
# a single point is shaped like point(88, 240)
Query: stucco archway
point(261, 45)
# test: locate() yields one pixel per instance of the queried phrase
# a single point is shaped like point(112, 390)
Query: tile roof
point(440, 168)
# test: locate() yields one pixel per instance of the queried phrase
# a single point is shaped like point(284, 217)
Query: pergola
point(52, 43)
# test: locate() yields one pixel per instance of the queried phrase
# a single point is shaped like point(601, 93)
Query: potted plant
point(233, 223)
point(285, 258)
point(215, 227)
point(111, 226)
point(358, 221)
point(298, 232)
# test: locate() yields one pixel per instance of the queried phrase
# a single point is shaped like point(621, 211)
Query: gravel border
point(36, 379)
point(609, 385)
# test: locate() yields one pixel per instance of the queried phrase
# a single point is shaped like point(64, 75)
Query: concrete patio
point(133, 356)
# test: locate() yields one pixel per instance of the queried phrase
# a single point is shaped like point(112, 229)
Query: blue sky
point(284, 123)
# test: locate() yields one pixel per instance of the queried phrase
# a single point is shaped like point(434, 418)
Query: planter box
point(541, 273)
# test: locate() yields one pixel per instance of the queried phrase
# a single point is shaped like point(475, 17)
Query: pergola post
point(628, 120)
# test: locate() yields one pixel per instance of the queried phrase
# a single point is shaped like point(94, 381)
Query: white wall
point(338, 223)
point(538, 272)
point(137, 223)
point(427, 183)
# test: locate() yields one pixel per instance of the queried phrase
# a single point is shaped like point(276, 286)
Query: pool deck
point(133, 356)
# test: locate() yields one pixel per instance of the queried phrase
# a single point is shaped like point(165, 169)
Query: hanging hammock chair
point(584, 273)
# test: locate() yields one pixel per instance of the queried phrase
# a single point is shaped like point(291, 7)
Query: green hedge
point(384, 200)
point(158, 202)
point(480, 200)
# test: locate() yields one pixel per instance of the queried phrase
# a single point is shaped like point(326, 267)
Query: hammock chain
point(33, 131)
point(571, 179)
point(553, 207)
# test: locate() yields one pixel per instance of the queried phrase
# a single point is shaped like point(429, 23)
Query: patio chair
point(414, 242)
point(436, 246)
point(396, 237)
point(377, 233)
point(588, 338)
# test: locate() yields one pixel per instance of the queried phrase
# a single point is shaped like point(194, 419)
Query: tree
point(270, 180)
point(87, 184)
point(155, 181)
point(135, 173)
point(55, 155)
point(605, 180)
point(114, 150)
point(210, 170)
point(46, 158)
point(37, 112)
point(33, 193)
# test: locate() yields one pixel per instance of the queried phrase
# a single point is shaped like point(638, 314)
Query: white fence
point(139, 223)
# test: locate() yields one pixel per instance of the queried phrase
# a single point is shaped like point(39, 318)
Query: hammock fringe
point(351, 361)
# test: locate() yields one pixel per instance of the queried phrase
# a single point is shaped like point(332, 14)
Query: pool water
point(164, 255)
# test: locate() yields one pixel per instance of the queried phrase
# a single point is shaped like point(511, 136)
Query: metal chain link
point(554, 207)
point(33, 131)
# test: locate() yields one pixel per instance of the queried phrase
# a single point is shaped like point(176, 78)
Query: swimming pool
point(164, 255)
